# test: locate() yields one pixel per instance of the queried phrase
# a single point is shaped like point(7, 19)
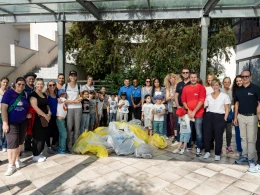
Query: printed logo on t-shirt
point(124, 108)
point(20, 103)
point(159, 110)
point(250, 93)
point(196, 94)
point(19, 106)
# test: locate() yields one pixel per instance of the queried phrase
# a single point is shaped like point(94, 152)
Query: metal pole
point(61, 47)
point(204, 44)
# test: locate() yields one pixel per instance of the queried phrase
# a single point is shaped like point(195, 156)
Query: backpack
point(66, 86)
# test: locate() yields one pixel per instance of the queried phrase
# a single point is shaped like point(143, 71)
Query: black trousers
point(213, 125)
point(137, 111)
point(130, 113)
point(28, 142)
point(39, 136)
point(52, 132)
point(258, 145)
point(104, 119)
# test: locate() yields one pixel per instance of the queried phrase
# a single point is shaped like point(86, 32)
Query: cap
point(73, 72)
point(180, 112)
point(159, 97)
point(30, 74)
point(123, 94)
point(61, 92)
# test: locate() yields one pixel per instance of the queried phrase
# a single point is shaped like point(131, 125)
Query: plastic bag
point(157, 141)
point(143, 151)
point(102, 131)
point(79, 143)
point(135, 122)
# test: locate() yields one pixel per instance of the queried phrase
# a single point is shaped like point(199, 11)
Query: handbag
point(44, 122)
point(230, 117)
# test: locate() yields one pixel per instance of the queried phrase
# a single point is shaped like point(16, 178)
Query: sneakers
point(4, 150)
point(207, 155)
point(176, 151)
point(251, 164)
point(182, 151)
point(165, 137)
point(10, 170)
point(230, 150)
point(63, 151)
point(217, 157)
point(50, 150)
point(19, 164)
point(241, 160)
point(255, 169)
point(198, 152)
point(39, 158)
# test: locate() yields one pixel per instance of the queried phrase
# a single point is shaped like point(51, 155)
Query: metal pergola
point(61, 11)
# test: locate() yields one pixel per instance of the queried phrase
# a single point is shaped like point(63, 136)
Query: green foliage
point(138, 49)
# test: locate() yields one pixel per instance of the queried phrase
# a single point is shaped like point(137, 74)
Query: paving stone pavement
point(166, 173)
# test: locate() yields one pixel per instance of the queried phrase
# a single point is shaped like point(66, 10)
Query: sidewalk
point(166, 173)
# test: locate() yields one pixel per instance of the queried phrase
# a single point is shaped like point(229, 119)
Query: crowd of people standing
point(57, 116)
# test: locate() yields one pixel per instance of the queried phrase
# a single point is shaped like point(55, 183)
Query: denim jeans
point(158, 127)
point(198, 128)
point(238, 139)
point(84, 124)
point(63, 133)
point(112, 117)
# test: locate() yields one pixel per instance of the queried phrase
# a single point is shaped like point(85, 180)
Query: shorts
point(148, 124)
point(185, 137)
point(16, 134)
point(92, 117)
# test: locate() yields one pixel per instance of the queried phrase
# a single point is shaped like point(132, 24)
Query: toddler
point(84, 124)
point(123, 106)
point(158, 112)
point(146, 114)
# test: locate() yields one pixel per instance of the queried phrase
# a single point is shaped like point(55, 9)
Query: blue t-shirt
point(136, 92)
point(53, 104)
point(18, 114)
point(128, 91)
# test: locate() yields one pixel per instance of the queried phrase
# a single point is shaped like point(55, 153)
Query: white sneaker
point(38, 158)
point(19, 164)
point(165, 137)
point(255, 169)
point(207, 155)
point(217, 157)
point(176, 151)
point(10, 170)
point(182, 151)
point(4, 150)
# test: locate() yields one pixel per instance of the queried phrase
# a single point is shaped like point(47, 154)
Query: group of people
point(183, 110)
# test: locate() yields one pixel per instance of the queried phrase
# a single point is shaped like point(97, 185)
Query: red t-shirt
point(191, 95)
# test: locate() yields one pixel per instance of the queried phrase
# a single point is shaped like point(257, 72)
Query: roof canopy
point(25, 11)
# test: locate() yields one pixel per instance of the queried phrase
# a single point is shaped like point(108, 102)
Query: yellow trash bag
point(79, 142)
point(99, 150)
point(102, 131)
point(157, 141)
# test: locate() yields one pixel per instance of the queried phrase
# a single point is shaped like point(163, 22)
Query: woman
point(159, 90)
point(208, 87)
point(146, 89)
point(4, 84)
point(217, 104)
point(89, 85)
point(52, 94)
point(14, 108)
point(61, 81)
point(74, 108)
point(228, 91)
point(236, 84)
point(170, 83)
point(39, 102)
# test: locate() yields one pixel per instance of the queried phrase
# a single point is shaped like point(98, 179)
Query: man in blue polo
point(127, 88)
point(136, 99)
point(247, 102)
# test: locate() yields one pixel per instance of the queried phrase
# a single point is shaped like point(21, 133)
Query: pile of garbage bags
point(120, 137)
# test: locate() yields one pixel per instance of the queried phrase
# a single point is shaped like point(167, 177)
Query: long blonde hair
point(167, 82)
point(213, 77)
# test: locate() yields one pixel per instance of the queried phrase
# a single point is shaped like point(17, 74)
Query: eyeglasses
point(20, 84)
point(52, 85)
point(245, 76)
point(39, 79)
point(185, 72)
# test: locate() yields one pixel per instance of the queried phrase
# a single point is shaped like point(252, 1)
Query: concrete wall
point(8, 35)
point(24, 38)
point(248, 49)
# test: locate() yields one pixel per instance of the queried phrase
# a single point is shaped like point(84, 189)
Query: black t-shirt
point(248, 98)
point(42, 103)
point(179, 89)
point(85, 106)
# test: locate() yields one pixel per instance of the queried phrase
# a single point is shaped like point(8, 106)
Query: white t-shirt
point(113, 106)
point(60, 110)
point(158, 109)
point(73, 94)
point(185, 123)
point(147, 109)
point(217, 105)
point(124, 108)
point(209, 90)
point(87, 88)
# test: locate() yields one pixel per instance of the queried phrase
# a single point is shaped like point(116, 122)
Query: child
point(92, 110)
point(158, 112)
point(146, 114)
point(60, 121)
point(185, 130)
point(112, 108)
point(84, 124)
point(123, 106)
point(100, 104)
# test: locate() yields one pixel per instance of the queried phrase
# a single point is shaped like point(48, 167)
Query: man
point(128, 90)
point(61, 80)
point(186, 81)
point(104, 119)
point(136, 99)
point(193, 97)
point(247, 105)
point(29, 88)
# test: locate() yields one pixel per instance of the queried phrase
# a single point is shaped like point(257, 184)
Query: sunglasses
point(20, 84)
point(148, 81)
point(39, 79)
point(52, 85)
point(245, 77)
point(185, 72)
